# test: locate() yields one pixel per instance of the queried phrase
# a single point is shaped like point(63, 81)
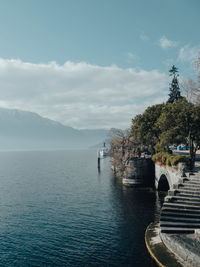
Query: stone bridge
point(166, 176)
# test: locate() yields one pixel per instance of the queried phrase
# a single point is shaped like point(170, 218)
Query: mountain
point(28, 130)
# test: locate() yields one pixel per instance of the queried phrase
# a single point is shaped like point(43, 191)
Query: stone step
point(193, 189)
point(183, 188)
point(188, 174)
point(183, 198)
point(193, 173)
point(164, 218)
point(187, 191)
point(194, 203)
point(191, 182)
point(182, 206)
point(183, 202)
point(181, 185)
point(180, 210)
point(180, 225)
point(175, 214)
point(174, 230)
point(194, 178)
point(191, 186)
point(190, 195)
point(183, 179)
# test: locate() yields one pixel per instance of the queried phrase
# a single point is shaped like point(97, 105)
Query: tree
point(167, 124)
point(191, 91)
point(174, 89)
point(144, 127)
point(179, 123)
point(197, 65)
point(115, 133)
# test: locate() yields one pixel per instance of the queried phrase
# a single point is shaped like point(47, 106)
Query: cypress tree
point(174, 90)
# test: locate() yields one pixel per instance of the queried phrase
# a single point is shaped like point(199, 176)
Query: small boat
point(133, 182)
point(103, 152)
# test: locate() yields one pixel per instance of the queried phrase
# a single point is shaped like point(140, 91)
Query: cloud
point(188, 53)
point(144, 37)
point(80, 95)
point(166, 43)
point(132, 57)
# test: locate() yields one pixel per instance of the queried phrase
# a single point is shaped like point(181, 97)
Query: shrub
point(178, 158)
point(168, 159)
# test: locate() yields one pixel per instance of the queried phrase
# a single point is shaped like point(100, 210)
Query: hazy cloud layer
point(166, 43)
point(80, 95)
point(188, 53)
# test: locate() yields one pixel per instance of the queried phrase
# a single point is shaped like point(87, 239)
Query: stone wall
point(128, 161)
point(140, 168)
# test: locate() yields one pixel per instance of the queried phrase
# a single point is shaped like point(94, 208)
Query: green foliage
point(176, 121)
point(178, 158)
point(174, 89)
point(144, 127)
point(169, 159)
point(165, 124)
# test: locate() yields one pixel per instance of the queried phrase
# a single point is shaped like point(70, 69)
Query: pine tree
point(174, 89)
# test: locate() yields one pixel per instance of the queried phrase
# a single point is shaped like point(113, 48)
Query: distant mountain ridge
point(28, 130)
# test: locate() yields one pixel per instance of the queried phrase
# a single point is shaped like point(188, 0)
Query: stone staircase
point(181, 209)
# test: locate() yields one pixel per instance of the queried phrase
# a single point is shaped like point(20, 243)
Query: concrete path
point(157, 249)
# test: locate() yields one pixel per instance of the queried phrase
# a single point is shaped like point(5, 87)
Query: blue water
point(56, 209)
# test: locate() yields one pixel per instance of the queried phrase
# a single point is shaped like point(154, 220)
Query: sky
point(94, 63)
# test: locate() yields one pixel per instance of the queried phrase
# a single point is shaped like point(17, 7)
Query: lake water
point(56, 209)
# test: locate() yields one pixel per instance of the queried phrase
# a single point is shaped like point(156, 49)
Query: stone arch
point(171, 173)
point(163, 183)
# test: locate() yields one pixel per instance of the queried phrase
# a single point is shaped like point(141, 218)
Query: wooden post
point(98, 159)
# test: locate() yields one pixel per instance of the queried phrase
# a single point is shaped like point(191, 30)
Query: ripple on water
point(57, 210)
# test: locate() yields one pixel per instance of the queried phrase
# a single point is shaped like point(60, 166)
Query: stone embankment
point(129, 162)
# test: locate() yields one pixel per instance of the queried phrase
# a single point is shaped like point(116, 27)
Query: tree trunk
point(191, 151)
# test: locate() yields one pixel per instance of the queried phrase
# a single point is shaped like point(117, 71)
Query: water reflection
point(132, 209)
point(135, 208)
